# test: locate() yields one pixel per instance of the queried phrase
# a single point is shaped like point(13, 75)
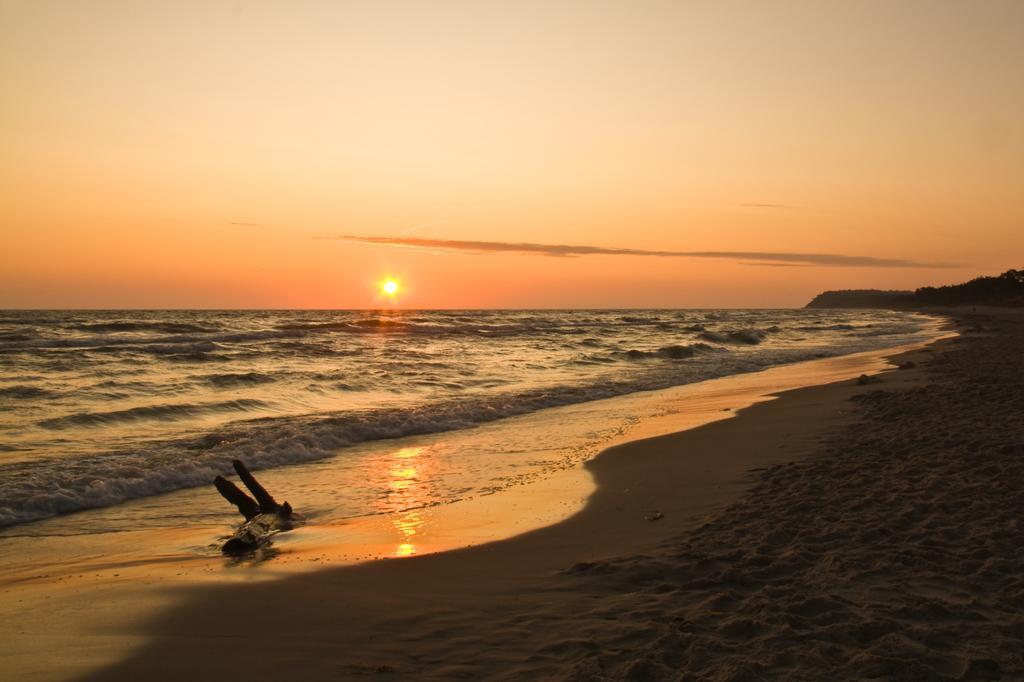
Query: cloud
point(246, 224)
point(425, 225)
point(778, 265)
point(567, 251)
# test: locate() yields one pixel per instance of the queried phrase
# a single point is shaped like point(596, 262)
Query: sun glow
point(389, 287)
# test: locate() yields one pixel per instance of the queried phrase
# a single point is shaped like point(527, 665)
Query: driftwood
point(264, 517)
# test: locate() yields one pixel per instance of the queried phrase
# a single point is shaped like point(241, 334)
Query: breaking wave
point(748, 336)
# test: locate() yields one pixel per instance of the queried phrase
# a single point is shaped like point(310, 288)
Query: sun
point(389, 287)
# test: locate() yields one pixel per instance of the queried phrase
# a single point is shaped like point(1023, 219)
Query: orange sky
point(186, 154)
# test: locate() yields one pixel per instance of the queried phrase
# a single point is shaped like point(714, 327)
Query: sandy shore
point(841, 531)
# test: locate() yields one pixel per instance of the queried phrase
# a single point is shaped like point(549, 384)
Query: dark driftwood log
point(247, 506)
point(268, 505)
point(264, 517)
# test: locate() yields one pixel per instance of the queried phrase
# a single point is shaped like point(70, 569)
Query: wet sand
point(657, 576)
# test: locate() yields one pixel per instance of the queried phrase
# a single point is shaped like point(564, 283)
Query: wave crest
point(175, 411)
point(750, 337)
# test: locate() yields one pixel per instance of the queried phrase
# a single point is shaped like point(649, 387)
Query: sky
point(504, 154)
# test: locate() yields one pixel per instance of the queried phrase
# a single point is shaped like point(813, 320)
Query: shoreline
point(414, 519)
point(174, 421)
point(558, 496)
point(334, 612)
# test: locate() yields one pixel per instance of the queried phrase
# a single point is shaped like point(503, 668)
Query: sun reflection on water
point(406, 491)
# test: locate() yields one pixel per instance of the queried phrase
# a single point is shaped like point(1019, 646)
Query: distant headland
point(1006, 289)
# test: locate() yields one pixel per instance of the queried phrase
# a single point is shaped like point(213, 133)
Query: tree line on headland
point(1006, 289)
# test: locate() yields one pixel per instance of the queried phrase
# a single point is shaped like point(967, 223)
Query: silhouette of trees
point(1005, 289)
point(861, 298)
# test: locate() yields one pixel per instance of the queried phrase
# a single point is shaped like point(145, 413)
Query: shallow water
point(99, 408)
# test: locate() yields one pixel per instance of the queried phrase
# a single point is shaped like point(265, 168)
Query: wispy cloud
point(245, 224)
point(565, 251)
point(754, 205)
point(425, 225)
point(778, 265)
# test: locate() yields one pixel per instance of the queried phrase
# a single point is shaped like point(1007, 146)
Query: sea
point(102, 408)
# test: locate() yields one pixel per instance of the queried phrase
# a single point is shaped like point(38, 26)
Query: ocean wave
point(588, 359)
point(464, 326)
point(310, 348)
point(342, 386)
point(377, 323)
point(122, 336)
point(106, 343)
point(31, 320)
point(674, 352)
point(828, 327)
point(238, 379)
point(195, 356)
point(18, 336)
point(165, 327)
point(876, 332)
point(748, 336)
point(313, 326)
point(121, 342)
point(24, 392)
point(163, 348)
point(173, 411)
point(46, 487)
point(442, 371)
